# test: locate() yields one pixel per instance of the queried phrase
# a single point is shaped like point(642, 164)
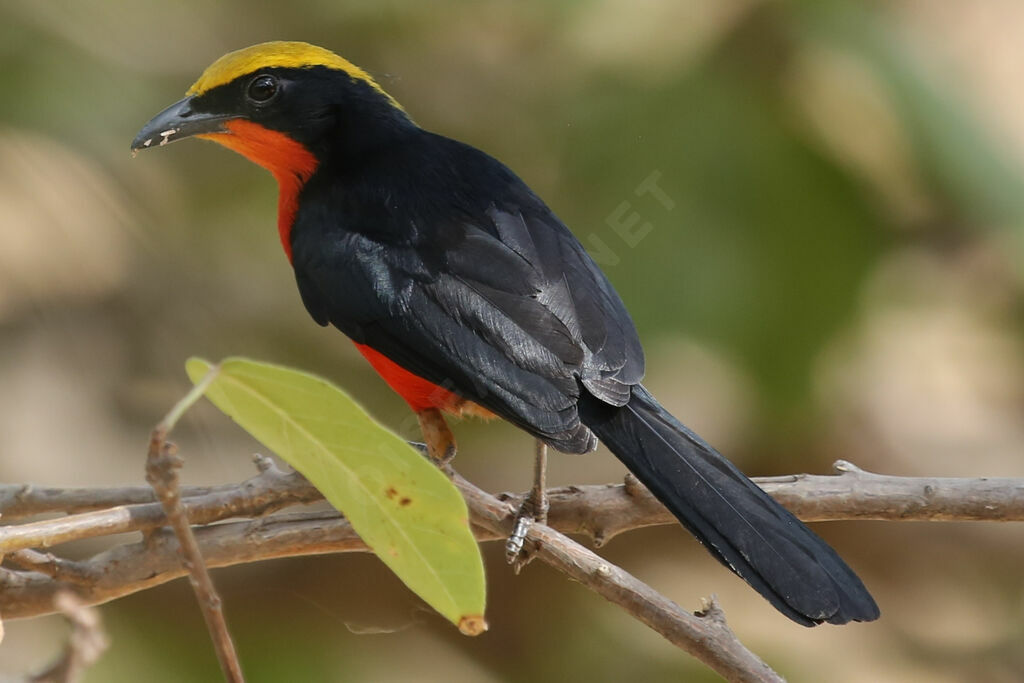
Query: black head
point(315, 98)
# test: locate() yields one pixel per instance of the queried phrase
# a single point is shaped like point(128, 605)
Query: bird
point(469, 296)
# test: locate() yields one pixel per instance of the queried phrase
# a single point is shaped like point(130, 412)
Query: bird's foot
point(534, 509)
point(517, 551)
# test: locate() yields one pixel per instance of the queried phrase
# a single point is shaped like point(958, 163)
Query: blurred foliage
point(839, 275)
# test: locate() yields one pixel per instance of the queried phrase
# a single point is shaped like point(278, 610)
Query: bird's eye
point(262, 89)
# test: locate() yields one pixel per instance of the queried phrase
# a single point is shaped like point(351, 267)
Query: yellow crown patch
point(277, 53)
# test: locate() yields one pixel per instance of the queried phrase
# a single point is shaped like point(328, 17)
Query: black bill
point(177, 122)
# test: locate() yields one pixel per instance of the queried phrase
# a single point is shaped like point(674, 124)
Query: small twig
point(57, 568)
point(162, 464)
point(85, 644)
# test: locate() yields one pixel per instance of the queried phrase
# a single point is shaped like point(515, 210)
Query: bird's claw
point(449, 455)
point(514, 544)
point(532, 511)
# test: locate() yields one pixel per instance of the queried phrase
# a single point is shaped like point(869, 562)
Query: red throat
point(289, 161)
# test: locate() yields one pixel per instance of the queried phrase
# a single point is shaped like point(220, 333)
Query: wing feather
point(502, 304)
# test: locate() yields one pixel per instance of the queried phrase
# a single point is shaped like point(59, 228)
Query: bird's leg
point(538, 498)
point(533, 509)
point(439, 439)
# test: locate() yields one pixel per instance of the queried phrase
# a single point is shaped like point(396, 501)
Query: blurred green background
point(834, 271)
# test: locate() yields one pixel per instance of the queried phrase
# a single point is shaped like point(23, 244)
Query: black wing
point(464, 277)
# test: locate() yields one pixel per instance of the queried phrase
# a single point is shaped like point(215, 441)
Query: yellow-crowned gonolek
point(466, 293)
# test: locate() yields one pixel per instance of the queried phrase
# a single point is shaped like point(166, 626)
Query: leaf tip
point(472, 624)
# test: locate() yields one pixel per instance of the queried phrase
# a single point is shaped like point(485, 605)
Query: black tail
point(736, 521)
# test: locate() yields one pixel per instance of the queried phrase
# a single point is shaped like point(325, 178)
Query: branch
point(162, 465)
point(705, 636)
point(600, 511)
point(267, 492)
point(18, 501)
point(131, 568)
point(68, 571)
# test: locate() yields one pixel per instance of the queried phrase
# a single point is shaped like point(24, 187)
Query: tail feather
point(741, 525)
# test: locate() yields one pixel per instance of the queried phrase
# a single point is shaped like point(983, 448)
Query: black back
point(438, 256)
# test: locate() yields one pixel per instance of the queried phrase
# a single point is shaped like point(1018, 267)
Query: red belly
point(417, 392)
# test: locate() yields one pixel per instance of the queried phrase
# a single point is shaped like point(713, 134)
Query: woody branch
point(599, 512)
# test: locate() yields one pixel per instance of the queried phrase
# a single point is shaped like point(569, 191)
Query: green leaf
point(399, 503)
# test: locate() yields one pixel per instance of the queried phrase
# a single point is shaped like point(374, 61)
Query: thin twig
point(162, 464)
point(58, 568)
point(85, 644)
